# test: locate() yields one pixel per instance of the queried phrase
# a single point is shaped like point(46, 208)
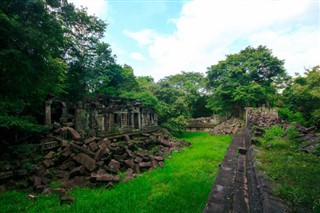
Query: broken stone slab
point(163, 142)
point(129, 176)
point(48, 163)
point(127, 138)
point(79, 181)
point(93, 146)
point(104, 177)
point(145, 164)
point(129, 152)
point(99, 154)
point(70, 132)
point(141, 153)
point(136, 169)
point(50, 145)
point(77, 171)
point(66, 152)
point(67, 165)
point(159, 158)
point(155, 163)
point(104, 143)
point(121, 157)
point(130, 163)
point(77, 148)
point(114, 166)
point(37, 182)
point(49, 155)
point(138, 160)
point(86, 161)
point(89, 140)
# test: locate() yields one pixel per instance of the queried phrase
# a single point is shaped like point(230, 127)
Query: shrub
point(288, 115)
point(176, 125)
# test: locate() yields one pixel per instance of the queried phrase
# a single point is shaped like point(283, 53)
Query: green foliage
point(176, 125)
point(182, 185)
point(22, 124)
point(295, 174)
point(288, 115)
point(302, 98)
point(189, 87)
point(249, 78)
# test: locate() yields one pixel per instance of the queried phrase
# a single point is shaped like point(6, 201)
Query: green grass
point(295, 174)
point(182, 185)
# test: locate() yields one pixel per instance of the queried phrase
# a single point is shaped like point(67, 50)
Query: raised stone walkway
point(238, 186)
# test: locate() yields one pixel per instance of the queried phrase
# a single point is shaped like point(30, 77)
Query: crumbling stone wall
point(102, 114)
point(262, 116)
point(204, 124)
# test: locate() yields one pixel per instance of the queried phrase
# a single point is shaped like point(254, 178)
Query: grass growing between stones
point(182, 185)
point(295, 174)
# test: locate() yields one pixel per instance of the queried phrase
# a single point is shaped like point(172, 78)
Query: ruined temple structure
point(103, 114)
point(204, 124)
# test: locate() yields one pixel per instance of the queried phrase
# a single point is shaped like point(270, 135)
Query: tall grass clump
point(295, 174)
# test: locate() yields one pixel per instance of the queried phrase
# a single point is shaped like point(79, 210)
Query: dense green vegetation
point(301, 100)
point(249, 78)
point(53, 48)
point(295, 174)
point(182, 185)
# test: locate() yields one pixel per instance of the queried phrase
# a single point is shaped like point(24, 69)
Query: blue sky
point(161, 38)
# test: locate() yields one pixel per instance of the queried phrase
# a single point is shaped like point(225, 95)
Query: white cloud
point(95, 7)
point(143, 37)
point(137, 56)
point(207, 30)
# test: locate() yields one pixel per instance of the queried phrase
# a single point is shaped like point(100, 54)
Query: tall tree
point(248, 78)
point(83, 50)
point(31, 63)
point(31, 51)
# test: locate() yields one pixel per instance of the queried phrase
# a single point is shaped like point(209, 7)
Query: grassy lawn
point(182, 185)
point(295, 174)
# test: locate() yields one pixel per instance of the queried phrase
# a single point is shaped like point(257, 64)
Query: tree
point(83, 50)
point(31, 51)
point(301, 100)
point(31, 64)
point(249, 78)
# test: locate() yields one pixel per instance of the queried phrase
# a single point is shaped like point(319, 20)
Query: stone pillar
point(132, 120)
point(139, 117)
point(100, 121)
point(48, 111)
point(78, 120)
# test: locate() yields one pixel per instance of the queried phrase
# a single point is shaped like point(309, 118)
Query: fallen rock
point(86, 161)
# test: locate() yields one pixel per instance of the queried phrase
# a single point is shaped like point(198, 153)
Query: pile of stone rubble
point(66, 158)
point(230, 126)
point(310, 139)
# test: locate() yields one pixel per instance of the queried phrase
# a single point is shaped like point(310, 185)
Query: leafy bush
point(288, 115)
point(176, 125)
point(22, 124)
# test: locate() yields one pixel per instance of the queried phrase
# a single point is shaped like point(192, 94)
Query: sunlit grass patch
point(182, 185)
point(295, 174)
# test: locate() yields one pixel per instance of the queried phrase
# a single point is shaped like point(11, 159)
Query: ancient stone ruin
point(262, 116)
point(204, 124)
point(103, 114)
point(91, 144)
